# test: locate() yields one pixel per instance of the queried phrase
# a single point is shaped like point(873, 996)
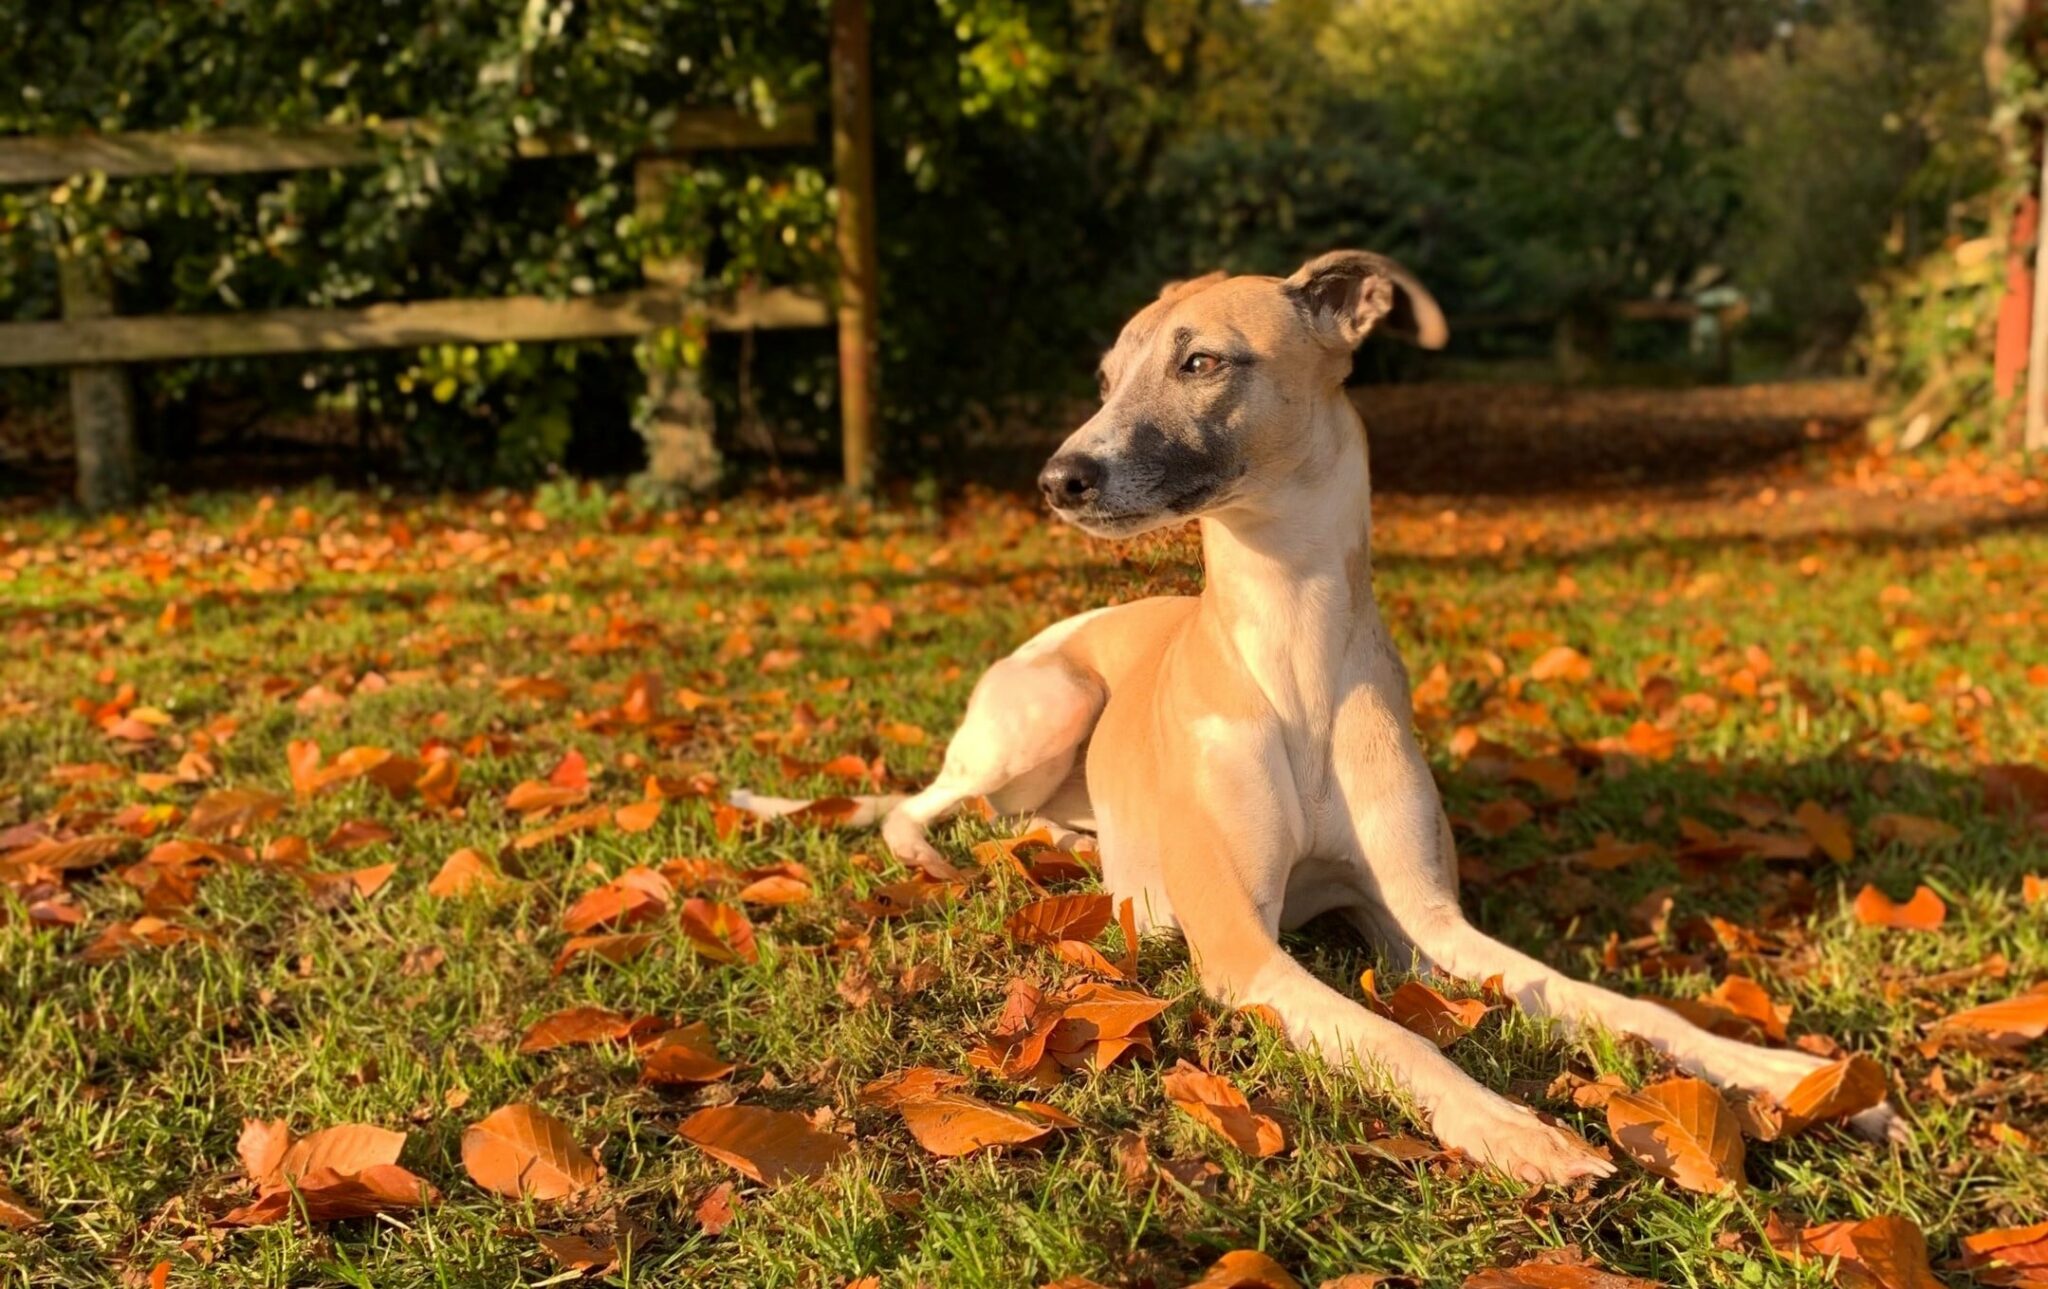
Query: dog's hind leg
point(1025, 725)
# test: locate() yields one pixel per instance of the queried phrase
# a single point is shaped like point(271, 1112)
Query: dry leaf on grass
point(2009, 1256)
point(1443, 1021)
point(954, 1123)
point(1913, 830)
point(892, 1090)
point(2008, 1023)
point(611, 948)
point(682, 1056)
point(1245, 1269)
point(719, 931)
point(466, 872)
point(1886, 1252)
point(1924, 912)
point(1216, 1102)
point(16, 1213)
point(897, 899)
point(770, 1146)
point(715, 1211)
point(522, 1150)
point(638, 817)
point(597, 1251)
point(345, 1171)
point(1060, 917)
point(1553, 1273)
point(1680, 1129)
point(1829, 830)
point(573, 1026)
point(633, 896)
point(1836, 1091)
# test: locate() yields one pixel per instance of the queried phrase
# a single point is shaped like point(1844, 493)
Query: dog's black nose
point(1071, 480)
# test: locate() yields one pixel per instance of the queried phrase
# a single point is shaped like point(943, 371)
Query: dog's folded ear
point(1348, 294)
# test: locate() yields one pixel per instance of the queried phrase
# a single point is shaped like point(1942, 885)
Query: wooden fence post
point(853, 167)
point(102, 402)
point(681, 429)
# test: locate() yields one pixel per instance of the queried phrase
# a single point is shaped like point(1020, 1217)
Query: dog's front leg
point(1406, 844)
point(1226, 878)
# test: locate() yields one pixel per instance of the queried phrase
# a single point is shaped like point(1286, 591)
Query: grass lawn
point(1848, 632)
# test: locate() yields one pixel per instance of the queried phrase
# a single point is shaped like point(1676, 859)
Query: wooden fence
point(94, 341)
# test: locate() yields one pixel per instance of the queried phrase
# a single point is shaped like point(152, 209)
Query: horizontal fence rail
point(166, 337)
point(238, 150)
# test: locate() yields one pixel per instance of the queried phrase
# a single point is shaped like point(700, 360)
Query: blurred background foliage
point(1042, 166)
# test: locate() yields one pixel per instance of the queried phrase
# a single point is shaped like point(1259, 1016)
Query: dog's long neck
point(1289, 582)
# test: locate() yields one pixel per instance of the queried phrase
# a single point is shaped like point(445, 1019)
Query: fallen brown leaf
point(770, 1146)
point(954, 1123)
point(520, 1150)
point(1680, 1129)
point(575, 1026)
point(1847, 1087)
point(1924, 912)
point(682, 1056)
point(1216, 1102)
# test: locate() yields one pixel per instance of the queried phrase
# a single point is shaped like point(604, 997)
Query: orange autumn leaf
point(1245, 1269)
point(892, 1090)
point(325, 1195)
point(1916, 831)
point(345, 1171)
point(633, 896)
point(719, 931)
point(1443, 1021)
point(1086, 957)
point(638, 817)
point(682, 1056)
point(770, 1146)
point(1562, 662)
point(1924, 912)
point(1215, 1101)
point(1553, 1273)
point(2008, 1023)
point(896, 899)
point(1749, 1001)
point(520, 1150)
point(345, 1148)
point(16, 1213)
point(355, 834)
point(954, 1123)
point(1835, 1091)
point(2009, 1256)
point(1828, 829)
point(531, 796)
point(903, 732)
point(1885, 1252)
point(566, 826)
point(573, 771)
point(229, 812)
point(575, 1026)
point(1680, 1129)
point(611, 948)
point(465, 873)
point(1060, 917)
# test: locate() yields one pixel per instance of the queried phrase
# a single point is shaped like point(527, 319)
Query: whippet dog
point(1246, 757)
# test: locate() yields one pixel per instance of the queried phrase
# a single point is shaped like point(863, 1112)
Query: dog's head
point(1215, 391)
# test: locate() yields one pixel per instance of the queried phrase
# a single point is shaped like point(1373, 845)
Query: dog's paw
point(1882, 1123)
point(906, 840)
point(1503, 1135)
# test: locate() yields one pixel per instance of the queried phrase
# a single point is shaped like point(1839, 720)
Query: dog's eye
point(1201, 364)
